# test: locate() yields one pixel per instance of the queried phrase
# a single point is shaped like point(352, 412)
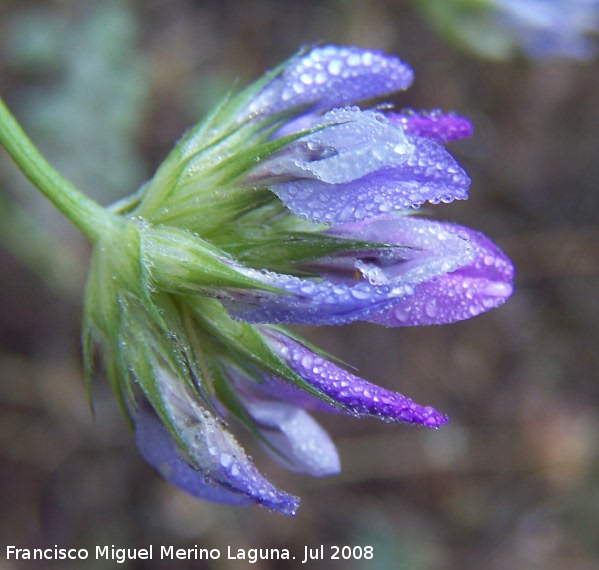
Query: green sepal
point(213, 154)
point(207, 163)
point(229, 397)
point(210, 190)
point(180, 262)
point(118, 286)
point(248, 343)
point(287, 252)
point(206, 212)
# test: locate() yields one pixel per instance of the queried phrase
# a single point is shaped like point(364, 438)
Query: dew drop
point(360, 293)
point(496, 289)
point(307, 361)
point(406, 415)
point(335, 67)
point(431, 308)
point(401, 314)
point(306, 79)
point(321, 77)
point(354, 60)
point(225, 459)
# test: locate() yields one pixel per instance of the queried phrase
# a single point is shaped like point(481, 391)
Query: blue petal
point(347, 144)
point(357, 396)
point(214, 451)
point(429, 174)
point(156, 446)
point(426, 249)
point(439, 273)
point(441, 127)
point(294, 438)
point(309, 302)
point(331, 76)
point(483, 283)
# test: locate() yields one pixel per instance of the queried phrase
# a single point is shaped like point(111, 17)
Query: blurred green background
point(105, 88)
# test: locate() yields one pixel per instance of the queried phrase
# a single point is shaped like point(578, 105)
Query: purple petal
point(438, 273)
point(357, 396)
point(215, 452)
point(156, 446)
point(276, 389)
point(549, 29)
point(331, 76)
point(426, 249)
point(348, 144)
point(433, 125)
point(430, 174)
point(484, 283)
point(299, 443)
point(309, 302)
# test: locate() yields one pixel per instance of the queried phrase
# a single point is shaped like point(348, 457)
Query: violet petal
point(332, 76)
point(357, 396)
point(300, 443)
point(441, 127)
point(215, 452)
point(157, 447)
point(429, 174)
point(484, 283)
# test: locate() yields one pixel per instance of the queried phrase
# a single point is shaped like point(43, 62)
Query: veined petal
point(482, 284)
point(215, 452)
point(347, 144)
point(438, 273)
point(357, 396)
point(430, 174)
point(425, 248)
point(297, 440)
point(441, 127)
point(332, 76)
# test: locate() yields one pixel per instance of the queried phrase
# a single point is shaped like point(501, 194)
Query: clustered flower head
point(288, 204)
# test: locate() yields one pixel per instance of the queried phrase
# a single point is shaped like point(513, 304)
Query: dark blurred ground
point(105, 88)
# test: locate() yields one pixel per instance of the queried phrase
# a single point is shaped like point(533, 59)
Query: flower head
point(288, 204)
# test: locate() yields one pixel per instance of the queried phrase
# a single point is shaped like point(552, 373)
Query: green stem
point(91, 218)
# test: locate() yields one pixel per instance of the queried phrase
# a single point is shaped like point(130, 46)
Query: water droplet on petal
point(334, 67)
point(431, 308)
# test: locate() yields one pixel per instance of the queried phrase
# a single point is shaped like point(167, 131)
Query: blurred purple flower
point(549, 28)
point(537, 29)
point(347, 177)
